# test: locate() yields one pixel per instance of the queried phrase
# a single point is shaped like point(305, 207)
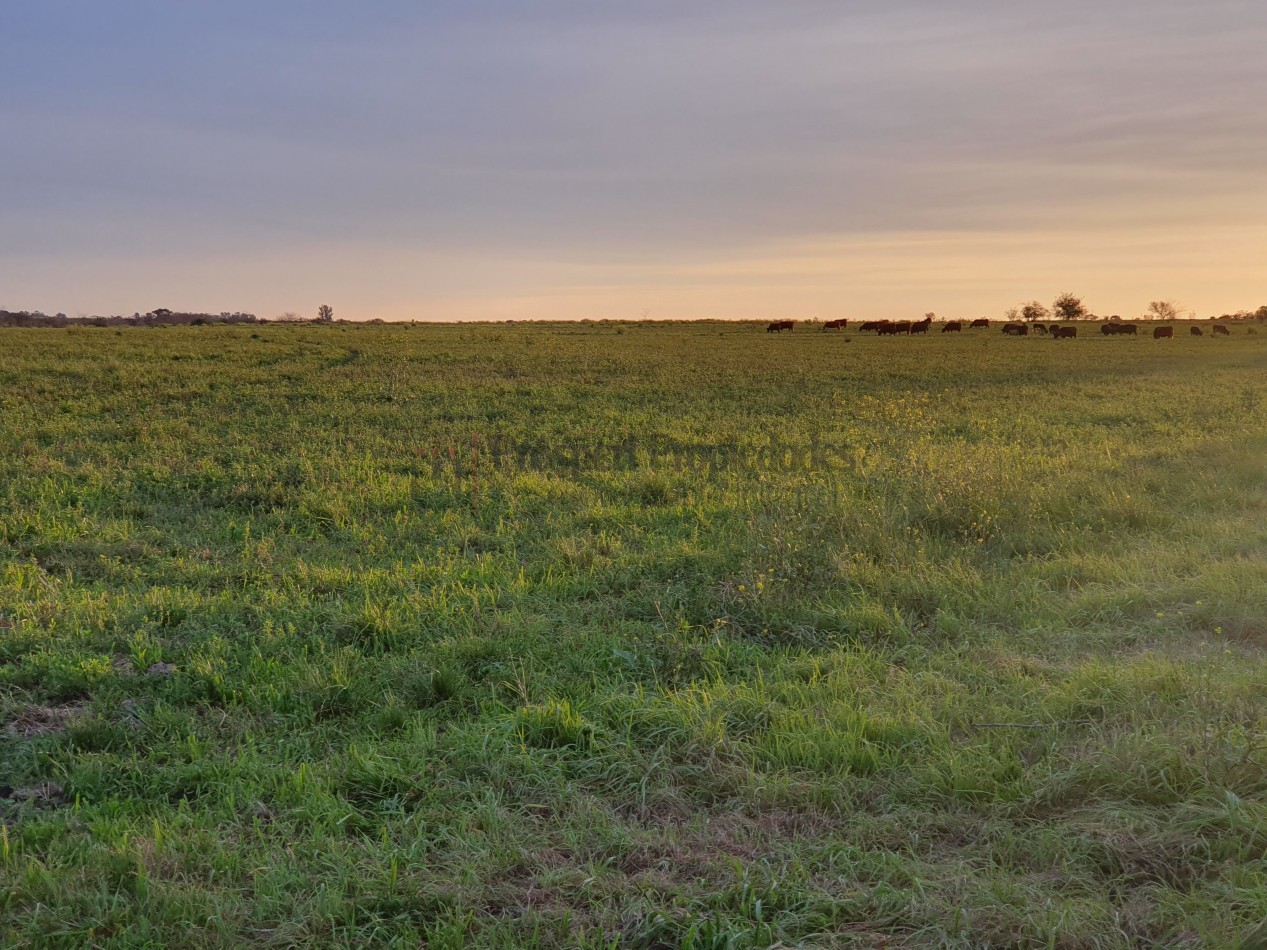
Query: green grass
point(630, 635)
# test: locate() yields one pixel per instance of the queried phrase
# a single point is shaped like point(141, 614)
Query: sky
point(566, 159)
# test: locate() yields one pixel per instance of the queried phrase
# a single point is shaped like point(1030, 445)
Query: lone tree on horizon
point(1068, 307)
point(325, 313)
point(1034, 311)
point(1164, 310)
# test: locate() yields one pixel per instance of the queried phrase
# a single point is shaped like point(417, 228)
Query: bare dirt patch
point(34, 720)
point(46, 793)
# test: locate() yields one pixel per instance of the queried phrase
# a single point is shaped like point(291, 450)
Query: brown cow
point(780, 325)
point(894, 328)
point(1221, 330)
point(1163, 333)
point(835, 324)
point(954, 326)
point(1063, 333)
point(921, 326)
point(981, 324)
point(1196, 331)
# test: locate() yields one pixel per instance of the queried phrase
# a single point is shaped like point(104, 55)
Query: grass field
point(631, 635)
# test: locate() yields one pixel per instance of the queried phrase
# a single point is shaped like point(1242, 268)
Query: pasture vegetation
point(810, 639)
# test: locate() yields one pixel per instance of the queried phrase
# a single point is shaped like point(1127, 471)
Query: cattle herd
point(1058, 331)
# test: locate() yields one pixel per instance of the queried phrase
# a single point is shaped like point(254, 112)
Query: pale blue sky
point(493, 158)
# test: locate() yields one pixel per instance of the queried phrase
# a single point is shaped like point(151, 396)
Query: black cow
point(835, 324)
point(1221, 330)
point(1163, 333)
point(954, 326)
point(1016, 329)
point(1196, 331)
point(1063, 333)
point(982, 324)
point(780, 325)
point(921, 326)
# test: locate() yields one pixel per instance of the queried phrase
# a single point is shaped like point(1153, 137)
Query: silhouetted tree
point(1035, 311)
point(1068, 307)
point(1164, 310)
point(325, 313)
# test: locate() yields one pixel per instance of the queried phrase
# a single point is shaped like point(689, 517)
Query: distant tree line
point(1070, 307)
point(155, 318)
point(1067, 306)
point(1260, 315)
point(158, 317)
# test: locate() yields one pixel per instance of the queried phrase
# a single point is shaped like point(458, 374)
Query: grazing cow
point(1042, 330)
point(1221, 330)
point(954, 326)
point(871, 326)
point(894, 328)
point(982, 324)
point(1115, 329)
point(1063, 333)
point(835, 324)
point(778, 326)
point(1016, 329)
point(921, 326)
point(1196, 331)
point(1163, 333)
